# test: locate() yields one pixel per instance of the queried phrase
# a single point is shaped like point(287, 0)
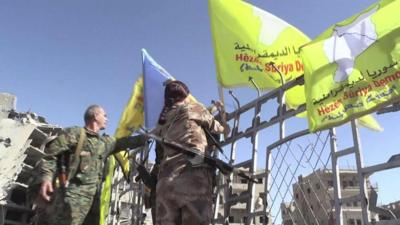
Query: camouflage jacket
point(91, 159)
point(185, 125)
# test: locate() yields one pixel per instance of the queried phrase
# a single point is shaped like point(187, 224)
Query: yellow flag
point(369, 121)
point(247, 40)
point(353, 67)
point(132, 118)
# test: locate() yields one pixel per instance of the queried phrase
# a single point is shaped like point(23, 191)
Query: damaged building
point(23, 137)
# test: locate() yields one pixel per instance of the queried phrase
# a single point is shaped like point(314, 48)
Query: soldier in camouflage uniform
point(75, 200)
point(184, 188)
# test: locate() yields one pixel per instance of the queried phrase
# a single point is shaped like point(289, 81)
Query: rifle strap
point(75, 161)
point(211, 137)
point(215, 142)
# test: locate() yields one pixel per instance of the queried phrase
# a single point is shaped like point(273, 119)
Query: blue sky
point(58, 57)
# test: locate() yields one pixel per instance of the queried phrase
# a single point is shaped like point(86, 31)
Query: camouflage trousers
point(185, 199)
point(75, 206)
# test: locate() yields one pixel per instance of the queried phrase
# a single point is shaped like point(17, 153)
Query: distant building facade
point(313, 201)
point(238, 212)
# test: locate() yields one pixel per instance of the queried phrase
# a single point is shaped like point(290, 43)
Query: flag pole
point(223, 115)
point(282, 102)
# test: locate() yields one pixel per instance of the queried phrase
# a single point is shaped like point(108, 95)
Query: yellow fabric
point(132, 118)
point(247, 39)
point(370, 122)
point(353, 67)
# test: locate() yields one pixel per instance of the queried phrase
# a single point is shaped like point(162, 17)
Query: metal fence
point(296, 178)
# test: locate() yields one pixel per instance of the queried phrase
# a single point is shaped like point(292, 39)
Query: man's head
point(175, 91)
point(95, 115)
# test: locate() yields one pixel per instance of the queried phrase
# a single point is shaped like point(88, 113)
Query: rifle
point(145, 176)
point(224, 167)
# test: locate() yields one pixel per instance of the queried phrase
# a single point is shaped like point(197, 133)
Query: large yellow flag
point(247, 39)
point(132, 118)
point(353, 67)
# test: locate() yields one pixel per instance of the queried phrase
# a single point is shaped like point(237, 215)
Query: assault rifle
point(224, 167)
point(145, 176)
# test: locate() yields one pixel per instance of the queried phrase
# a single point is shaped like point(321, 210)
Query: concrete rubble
point(23, 137)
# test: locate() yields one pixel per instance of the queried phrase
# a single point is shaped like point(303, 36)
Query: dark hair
point(90, 113)
point(175, 91)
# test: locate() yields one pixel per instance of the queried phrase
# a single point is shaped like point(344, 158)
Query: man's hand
point(46, 190)
point(218, 105)
point(227, 129)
